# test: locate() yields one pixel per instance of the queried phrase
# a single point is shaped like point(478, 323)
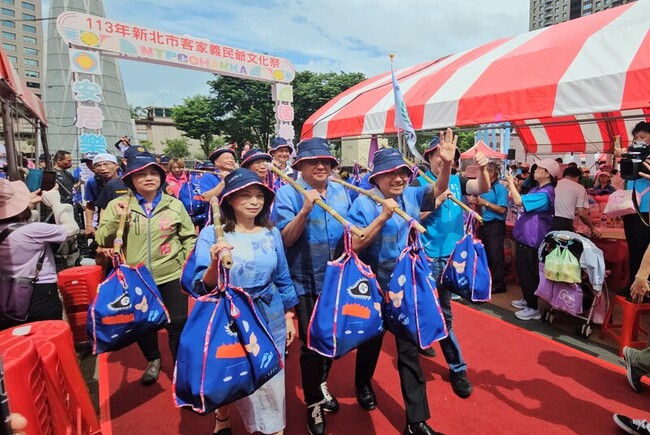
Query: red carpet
point(523, 383)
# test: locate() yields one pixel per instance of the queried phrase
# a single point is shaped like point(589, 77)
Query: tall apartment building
point(544, 13)
point(22, 39)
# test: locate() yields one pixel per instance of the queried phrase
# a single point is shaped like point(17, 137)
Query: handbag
point(127, 306)
point(467, 273)
point(225, 352)
point(411, 307)
point(348, 309)
point(16, 293)
point(621, 203)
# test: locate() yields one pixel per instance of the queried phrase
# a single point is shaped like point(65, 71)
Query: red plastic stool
point(25, 384)
point(58, 332)
point(78, 287)
point(627, 332)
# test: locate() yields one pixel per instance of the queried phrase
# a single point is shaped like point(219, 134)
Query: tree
point(465, 140)
point(195, 118)
point(312, 90)
point(177, 148)
point(137, 112)
point(243, 110)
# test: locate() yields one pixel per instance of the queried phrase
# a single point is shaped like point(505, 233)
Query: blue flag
point(402, 119)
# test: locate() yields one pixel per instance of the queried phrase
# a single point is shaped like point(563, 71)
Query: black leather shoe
point(366, 397)
point(460, 384)
point(429, 352)
point(315, 419)
point(151, 373)
point(329, 403)
point(421, 428)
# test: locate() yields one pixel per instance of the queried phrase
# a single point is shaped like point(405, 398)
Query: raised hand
point(448, 142)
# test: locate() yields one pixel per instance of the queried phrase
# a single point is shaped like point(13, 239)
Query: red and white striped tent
point(568, 87)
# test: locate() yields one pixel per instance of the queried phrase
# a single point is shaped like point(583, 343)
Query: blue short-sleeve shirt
point(382, 253)
point(322, 238)
point(496, 195)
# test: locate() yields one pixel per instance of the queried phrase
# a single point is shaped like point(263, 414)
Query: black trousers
point(527, 268)
point(314, 367)
point(561, 224)
point(44, 305)
point(176, 303)
point(638, 239)
point(411, 378)
point(493, 234)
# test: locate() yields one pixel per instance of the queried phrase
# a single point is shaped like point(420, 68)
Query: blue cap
point(132, 150)
point(164, 159)
point(138, 161)
point(314, 148)
point(218, 152)
point(386, 160)
point(253, 155)
point(279, 142)
point(242, 178)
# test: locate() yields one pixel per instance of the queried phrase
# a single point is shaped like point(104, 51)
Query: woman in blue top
point(259, 267)
point(386, 236)
point(530, 228)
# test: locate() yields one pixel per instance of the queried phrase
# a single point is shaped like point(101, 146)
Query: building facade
point(544, 13)
point(157, 127)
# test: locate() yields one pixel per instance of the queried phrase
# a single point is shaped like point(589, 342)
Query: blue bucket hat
point(206, 166)
point(242, 178)
point(253, 155)
point(434, 145)
point(138, 161)
point(311, 149)
point(386, 160)
point(218, 152)
point(279, 142)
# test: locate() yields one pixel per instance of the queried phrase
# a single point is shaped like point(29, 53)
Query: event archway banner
point(595, 64)
point(120, 39)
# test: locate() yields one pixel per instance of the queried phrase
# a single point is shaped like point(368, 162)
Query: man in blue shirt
point(386, 236)
point(311, 238)
point(494, 206)
point(444, 222)
point(224, 161)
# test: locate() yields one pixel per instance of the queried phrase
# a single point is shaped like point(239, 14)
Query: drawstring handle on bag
point(413, 239)
point(118, 256)
point(470, 222)
point(225, 256)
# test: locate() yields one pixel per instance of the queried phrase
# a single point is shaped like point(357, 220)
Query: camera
point(632, 161)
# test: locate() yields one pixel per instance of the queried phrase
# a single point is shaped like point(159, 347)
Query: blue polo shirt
point(91, 191)
point(142, 201)
point(641, 186)
point(496, 195)
point(381, 255)
point(208, 182)
point(322, 238)
point(445, 225)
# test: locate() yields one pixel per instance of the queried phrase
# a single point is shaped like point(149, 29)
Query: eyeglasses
point(399, 174)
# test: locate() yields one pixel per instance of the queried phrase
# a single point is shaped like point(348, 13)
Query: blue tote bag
point(467, 273)
point(190, 195)
point(127, 306)
point(411, 306)
point(225, 352)
point(348, 310)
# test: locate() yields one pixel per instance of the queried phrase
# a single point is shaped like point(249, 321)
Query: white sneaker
point(519, 303)
point(528, 314)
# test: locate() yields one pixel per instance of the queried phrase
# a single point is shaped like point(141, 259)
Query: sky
point(319, 36)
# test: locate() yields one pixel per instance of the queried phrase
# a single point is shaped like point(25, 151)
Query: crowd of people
point(164, 204)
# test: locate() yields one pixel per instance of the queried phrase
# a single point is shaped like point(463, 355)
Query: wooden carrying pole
point(462, 205)
point(381, 200)
point(356, 231)
point(226, 257)
point(118, 242)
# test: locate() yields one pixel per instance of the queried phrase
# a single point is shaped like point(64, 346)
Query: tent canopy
point(32, 104)
point(598, 64)
point(480, 147)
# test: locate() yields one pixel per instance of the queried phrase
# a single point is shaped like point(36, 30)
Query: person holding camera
point(637, 232)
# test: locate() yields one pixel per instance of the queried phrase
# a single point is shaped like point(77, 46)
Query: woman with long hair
point(176, 176)
point(259, 267)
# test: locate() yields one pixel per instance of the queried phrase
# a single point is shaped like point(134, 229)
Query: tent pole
point(12, 169)
point(46, 148)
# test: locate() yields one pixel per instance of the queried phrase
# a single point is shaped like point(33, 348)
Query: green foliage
point(195, 118)
point(312, 90)
point(146, 144)
point(137, 112)
point(243, 110)
point(465, 140)
point(177, 148)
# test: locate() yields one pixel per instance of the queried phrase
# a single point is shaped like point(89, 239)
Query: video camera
point(632, 161)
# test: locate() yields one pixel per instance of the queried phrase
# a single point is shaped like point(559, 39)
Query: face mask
point(639, 143)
